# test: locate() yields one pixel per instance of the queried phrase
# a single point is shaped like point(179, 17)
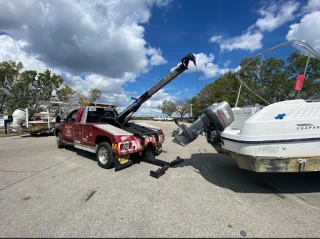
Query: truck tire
point(59, 141)
point(105, 156)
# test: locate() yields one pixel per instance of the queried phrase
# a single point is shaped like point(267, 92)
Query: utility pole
point(190, 110)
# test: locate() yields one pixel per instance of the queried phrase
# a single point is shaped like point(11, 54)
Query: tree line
point(273, 79)
point(27, 89)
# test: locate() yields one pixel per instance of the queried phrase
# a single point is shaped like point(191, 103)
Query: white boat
point(241, 114)
point(280, 137)
point(43, 124)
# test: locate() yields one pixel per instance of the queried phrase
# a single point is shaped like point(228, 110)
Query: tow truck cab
point(89, 127)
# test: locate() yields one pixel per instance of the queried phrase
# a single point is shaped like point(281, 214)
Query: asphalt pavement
point(51, 192)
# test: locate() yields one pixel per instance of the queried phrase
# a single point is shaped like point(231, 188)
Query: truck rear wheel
point(104, 155)
point(59, 141)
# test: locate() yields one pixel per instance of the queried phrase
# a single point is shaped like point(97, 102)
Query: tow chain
point(199, 78)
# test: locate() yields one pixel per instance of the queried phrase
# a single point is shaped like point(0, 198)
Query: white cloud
point(312, 6)
point(207, 67)
point(104, 84)
point(150, 106)
point(248, 41)
point(112, 92)
point(13, 50)
point(273, 15)
point(156, 57)
point(103, 37)
point(276, 15)
point(307, 30)
point(236, 69)
point(226, 64)
point(111, 88)
point(161, 3)
point(215, 39)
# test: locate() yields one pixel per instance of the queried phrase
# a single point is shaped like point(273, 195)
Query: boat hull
point(38, 127)
point(269, 160)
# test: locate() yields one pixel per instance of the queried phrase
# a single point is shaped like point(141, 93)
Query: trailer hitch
point(164, 166)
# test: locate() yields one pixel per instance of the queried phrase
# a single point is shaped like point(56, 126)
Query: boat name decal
point(226, 113)
point(307, 126)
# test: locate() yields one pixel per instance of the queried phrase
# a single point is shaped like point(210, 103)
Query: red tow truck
point(100, 129)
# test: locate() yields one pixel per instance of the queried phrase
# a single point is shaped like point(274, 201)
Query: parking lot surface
point(51, 192)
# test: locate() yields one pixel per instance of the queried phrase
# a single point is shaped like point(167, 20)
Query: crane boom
point(125, 115)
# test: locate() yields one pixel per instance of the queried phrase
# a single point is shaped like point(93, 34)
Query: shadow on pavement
point(222, 171)
point(35, 135)
point(82, 153)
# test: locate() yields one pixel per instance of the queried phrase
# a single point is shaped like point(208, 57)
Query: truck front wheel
point(104, 155)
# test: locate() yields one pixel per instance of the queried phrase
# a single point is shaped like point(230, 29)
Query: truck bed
point(140, 129)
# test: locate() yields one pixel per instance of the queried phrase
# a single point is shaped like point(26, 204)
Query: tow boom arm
point(125, 115)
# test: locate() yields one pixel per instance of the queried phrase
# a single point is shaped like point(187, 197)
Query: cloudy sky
point(122, 47)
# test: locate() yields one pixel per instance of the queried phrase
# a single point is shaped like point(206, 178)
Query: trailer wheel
point(105, 156)
point(59, 141)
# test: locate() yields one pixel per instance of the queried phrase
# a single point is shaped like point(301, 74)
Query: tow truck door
point(78, 127)
point(68, 126)
point(88, 130)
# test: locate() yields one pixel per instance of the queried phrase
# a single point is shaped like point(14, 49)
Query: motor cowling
point(217, 117)
point(18, 116)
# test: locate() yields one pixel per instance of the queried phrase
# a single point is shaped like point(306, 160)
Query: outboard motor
point(216, 117)
point(18, 116)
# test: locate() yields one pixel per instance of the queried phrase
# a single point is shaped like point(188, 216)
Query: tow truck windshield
point(97, 114)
